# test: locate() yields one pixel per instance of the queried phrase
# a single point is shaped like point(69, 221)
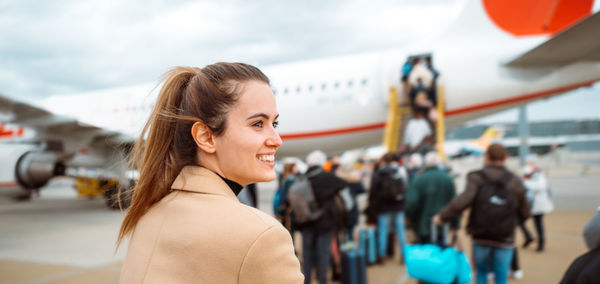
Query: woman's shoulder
point(260, 218)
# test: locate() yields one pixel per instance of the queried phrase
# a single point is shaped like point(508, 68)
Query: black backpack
point(494, 210)
point(392, 187)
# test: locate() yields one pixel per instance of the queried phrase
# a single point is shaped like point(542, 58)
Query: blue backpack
point(277, 202)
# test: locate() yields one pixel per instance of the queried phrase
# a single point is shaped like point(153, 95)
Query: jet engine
point(29, 166)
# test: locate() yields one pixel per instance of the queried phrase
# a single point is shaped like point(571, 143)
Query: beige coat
point(201, 233)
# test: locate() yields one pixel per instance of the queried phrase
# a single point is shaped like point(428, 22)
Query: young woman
point(535, 180)
point(211, 132)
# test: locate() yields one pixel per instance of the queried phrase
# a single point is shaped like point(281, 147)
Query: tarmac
point(61, 238)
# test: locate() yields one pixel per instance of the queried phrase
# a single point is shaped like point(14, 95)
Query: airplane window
point(323, 86)
point(275, 92)
point(364, 82)
point(336, 85)
point(350, 84)
point(310, 88)
point(298, 89)
point(285, 91)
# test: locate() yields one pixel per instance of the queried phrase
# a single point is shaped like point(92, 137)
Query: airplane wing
point(50, 126)
point(580, 42)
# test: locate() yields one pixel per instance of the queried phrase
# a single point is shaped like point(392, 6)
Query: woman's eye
point(258, 124)
point(275, 124)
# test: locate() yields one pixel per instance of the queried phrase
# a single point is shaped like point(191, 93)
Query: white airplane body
point(340, 103)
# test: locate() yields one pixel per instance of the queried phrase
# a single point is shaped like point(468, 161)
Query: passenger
point(212, 131)
point(536, 182)
point(356, 187)
point(419, 98)
point(318, 235)
point(497, 201)
point(372, 206)
point(418, 136)
point(427, 195)
point(422, 73)
point(282, 212)
point(406, 68)
point(415, 166)
point(388, 193)
point(584, 269)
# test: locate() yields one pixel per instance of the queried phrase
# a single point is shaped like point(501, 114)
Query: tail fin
point(485, 18)
point(488, 137)
point(536, 17)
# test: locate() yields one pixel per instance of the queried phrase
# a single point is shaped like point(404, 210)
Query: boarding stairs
point(399, 113)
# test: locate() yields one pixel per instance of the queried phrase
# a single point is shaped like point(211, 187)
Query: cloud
point(51, 47)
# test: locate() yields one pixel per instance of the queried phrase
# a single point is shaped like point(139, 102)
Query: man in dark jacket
point(389, 203)
point(317, 235)
point(428, 193)
point(493, 237)
point(584, 269)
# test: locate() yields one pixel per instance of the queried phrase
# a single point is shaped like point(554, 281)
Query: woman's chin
point(266, 177)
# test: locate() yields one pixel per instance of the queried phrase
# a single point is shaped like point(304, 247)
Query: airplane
point(8, 132)
point(498, 54)
point(477, 147)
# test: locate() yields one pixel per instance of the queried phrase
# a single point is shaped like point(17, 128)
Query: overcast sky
point(66, 46)
point(69, 46)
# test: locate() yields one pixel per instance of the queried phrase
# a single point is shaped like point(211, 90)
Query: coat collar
point(202, 180)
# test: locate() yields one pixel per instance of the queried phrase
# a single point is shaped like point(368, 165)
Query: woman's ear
point(203, 137)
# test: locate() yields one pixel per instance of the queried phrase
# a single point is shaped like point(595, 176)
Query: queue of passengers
point(413, 191)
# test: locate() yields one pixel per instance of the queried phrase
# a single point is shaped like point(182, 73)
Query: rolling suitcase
point(367, 245)
point(354, 265)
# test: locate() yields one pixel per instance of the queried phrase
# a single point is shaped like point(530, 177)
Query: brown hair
point(188, 95)
point(288, 169)
point(496, 153)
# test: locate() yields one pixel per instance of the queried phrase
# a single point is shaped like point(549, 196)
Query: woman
point(290, 170)
point(355, 187)
point(536, 182)
point(211, 132)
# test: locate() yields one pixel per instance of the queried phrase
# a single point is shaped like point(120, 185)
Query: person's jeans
point(539, 227)
point(496, 257)
point(316, 246)
point(383, 224)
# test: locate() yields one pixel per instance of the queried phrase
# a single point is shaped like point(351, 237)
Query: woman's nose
point(274, 140)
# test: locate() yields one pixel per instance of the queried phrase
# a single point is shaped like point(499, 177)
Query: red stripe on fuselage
point(9, 184)
point(334, 131)
point(473, 108)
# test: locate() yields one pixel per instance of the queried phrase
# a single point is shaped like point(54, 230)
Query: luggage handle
point(433, 235)
point(455, 242)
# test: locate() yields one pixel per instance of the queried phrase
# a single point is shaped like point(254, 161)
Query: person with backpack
point(428, 193)
point(280, 203)
point(315, 218)
point(498, 202)
point(387, 192)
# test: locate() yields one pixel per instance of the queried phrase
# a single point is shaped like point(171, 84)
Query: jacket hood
point(493, 172)
point(591, 232)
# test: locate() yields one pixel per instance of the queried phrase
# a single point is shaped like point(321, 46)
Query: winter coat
point(538, 184)
point(466, 199)
point(201, 233)
point(426, 196)
point(376, 195)
point(325, 187)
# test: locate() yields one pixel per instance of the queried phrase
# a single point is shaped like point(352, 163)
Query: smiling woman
point(212, 131)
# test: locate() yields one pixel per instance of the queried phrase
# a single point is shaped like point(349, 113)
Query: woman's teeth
point(267, 158)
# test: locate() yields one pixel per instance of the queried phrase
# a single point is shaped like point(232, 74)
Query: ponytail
point(154, 158)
